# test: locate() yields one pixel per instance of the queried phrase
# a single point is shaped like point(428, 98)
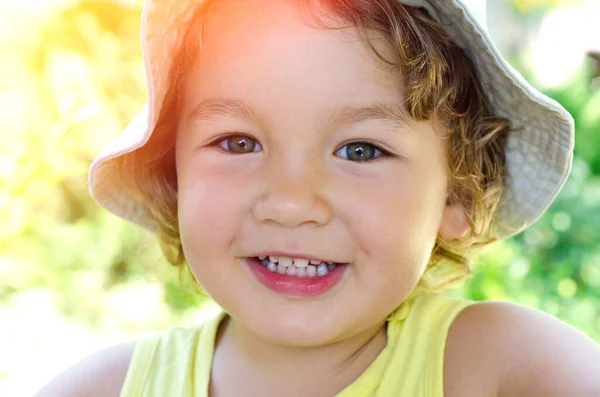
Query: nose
point(291, 201)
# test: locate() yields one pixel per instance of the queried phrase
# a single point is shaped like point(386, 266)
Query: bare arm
point(523, 352)
point(101, 374)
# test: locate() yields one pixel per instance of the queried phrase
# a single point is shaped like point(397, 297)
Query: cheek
point(398, 222)
point(208, 211)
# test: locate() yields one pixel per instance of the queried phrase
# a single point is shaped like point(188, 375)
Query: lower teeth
point(311, 271)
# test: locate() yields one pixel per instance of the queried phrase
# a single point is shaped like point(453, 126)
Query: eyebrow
point(212, 107)
point(391, 112)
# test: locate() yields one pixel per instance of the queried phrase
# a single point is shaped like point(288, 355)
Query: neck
point(260, 365)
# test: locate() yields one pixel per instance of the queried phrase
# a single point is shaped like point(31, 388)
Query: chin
point(301, 324)
point(291, 332)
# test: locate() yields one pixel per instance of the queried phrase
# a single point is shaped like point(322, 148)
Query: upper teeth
point(287, 261)
point(297, 266)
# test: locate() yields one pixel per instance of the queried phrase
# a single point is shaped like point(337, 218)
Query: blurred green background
point(74, 278)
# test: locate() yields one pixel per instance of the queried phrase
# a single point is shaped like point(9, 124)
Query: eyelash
point(222, 144)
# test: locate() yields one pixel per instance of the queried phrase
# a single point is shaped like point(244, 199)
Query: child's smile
point(295, 276)
point(293, 143)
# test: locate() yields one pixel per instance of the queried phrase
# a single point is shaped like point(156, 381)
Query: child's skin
point(296, 194)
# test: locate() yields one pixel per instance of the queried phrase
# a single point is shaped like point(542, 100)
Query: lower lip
point(294, 286)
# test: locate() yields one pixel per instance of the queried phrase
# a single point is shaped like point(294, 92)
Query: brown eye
point(239, 144)
point(359, 152)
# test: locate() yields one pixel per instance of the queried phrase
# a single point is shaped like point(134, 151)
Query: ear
point(454, 220)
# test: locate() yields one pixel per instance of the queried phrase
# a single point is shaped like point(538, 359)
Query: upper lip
point(294, 255)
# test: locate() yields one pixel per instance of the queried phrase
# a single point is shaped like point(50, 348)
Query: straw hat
point(539, 154)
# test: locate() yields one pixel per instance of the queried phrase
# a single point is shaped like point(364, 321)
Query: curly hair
point(440, 81)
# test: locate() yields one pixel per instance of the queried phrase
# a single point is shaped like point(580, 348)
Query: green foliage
point(75, 79)
point(578, 97)
point(554, 265)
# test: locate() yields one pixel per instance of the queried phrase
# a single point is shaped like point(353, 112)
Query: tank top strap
point(174, 363)
point(417, 333)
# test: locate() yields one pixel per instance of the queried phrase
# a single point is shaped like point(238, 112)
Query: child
point(323, 168)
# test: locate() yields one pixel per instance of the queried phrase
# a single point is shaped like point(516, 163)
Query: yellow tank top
point(178, 362)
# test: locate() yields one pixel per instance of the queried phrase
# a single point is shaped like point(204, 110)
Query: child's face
point(297, 190)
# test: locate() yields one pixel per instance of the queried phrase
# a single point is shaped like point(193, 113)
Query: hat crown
point(477, 9)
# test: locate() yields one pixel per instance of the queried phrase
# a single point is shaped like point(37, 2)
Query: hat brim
point(539, 152)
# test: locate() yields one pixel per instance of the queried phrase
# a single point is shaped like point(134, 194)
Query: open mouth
point(296, 277)
point(296, 267)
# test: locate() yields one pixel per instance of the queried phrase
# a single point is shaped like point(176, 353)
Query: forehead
point(269, 53)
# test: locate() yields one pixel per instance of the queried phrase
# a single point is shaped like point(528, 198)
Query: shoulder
point(514, 350)
point(104, 373)
point(101, 374)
